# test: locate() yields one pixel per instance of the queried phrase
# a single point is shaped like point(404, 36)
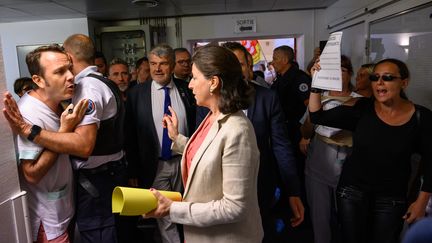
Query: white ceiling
point(29, 10)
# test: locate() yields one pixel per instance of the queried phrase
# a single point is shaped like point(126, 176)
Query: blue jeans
point(366, 217)
point(420, 232)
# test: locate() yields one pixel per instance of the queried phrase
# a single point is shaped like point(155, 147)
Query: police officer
point(103, 167)
point(292, 86)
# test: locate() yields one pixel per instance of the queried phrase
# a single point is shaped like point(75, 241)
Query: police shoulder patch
point(303, 87)
point(91, 107)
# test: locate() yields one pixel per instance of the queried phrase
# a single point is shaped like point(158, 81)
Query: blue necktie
point(166, 141)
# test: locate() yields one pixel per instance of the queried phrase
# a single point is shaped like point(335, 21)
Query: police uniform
point(106, 167)
point(293, 90)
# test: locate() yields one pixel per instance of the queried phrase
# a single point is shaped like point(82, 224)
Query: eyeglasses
point(184, 62)
point(384, 77)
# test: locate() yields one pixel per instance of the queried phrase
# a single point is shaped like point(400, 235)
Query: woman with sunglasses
point(387, 130)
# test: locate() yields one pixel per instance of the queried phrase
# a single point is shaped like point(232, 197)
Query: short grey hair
point(117, 61)
point(164, 50)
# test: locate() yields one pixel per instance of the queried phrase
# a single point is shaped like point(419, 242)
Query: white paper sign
point(330, 76)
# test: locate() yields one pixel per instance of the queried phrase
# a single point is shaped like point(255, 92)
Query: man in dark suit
point(146, 144)
point(183, 64)
point(276, 155)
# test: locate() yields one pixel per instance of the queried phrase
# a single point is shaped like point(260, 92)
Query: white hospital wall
point(34, 33)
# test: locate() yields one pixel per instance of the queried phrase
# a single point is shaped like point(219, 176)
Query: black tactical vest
point(110, 136)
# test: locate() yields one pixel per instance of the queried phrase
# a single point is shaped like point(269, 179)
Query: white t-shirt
point(102, 106)
point(51, 200)
point(330, 103)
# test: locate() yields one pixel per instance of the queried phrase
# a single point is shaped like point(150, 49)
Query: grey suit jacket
point(220, 200)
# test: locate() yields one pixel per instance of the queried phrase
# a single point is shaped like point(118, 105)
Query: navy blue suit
point(276, 155)
point(142, 144)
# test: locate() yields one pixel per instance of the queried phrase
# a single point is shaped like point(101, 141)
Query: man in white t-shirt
point(96, 145)
point(46, 175)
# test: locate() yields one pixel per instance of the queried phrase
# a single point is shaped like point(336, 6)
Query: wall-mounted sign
point(243, 25)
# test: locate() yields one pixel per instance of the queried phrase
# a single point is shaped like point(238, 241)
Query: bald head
point(81, 47)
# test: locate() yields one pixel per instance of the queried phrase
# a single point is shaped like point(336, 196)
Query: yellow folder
point(130, 201)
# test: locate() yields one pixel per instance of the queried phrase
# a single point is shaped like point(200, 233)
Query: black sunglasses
point(385, 77)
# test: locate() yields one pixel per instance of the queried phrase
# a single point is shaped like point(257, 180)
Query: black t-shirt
point(380, 161)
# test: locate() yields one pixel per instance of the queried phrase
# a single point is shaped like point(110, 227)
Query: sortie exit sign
point(243, 25)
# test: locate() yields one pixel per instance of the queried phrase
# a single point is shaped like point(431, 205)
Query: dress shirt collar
point(158, 86)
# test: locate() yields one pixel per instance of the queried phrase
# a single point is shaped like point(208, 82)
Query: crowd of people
point(245, 153)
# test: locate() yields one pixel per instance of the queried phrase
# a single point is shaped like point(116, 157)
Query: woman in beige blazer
point(220, 161)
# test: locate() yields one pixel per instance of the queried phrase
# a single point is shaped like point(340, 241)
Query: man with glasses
point(183, 65)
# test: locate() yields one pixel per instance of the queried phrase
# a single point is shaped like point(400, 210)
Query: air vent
point(146, 3)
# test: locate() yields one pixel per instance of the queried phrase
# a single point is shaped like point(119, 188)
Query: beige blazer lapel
point(200, 152)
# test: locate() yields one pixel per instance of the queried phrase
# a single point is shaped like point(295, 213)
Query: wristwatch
point(315, 90)
point(34, 131)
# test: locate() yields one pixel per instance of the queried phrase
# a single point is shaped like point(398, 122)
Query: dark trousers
point(269, 225)
point(366, 217)
point(94, 216)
